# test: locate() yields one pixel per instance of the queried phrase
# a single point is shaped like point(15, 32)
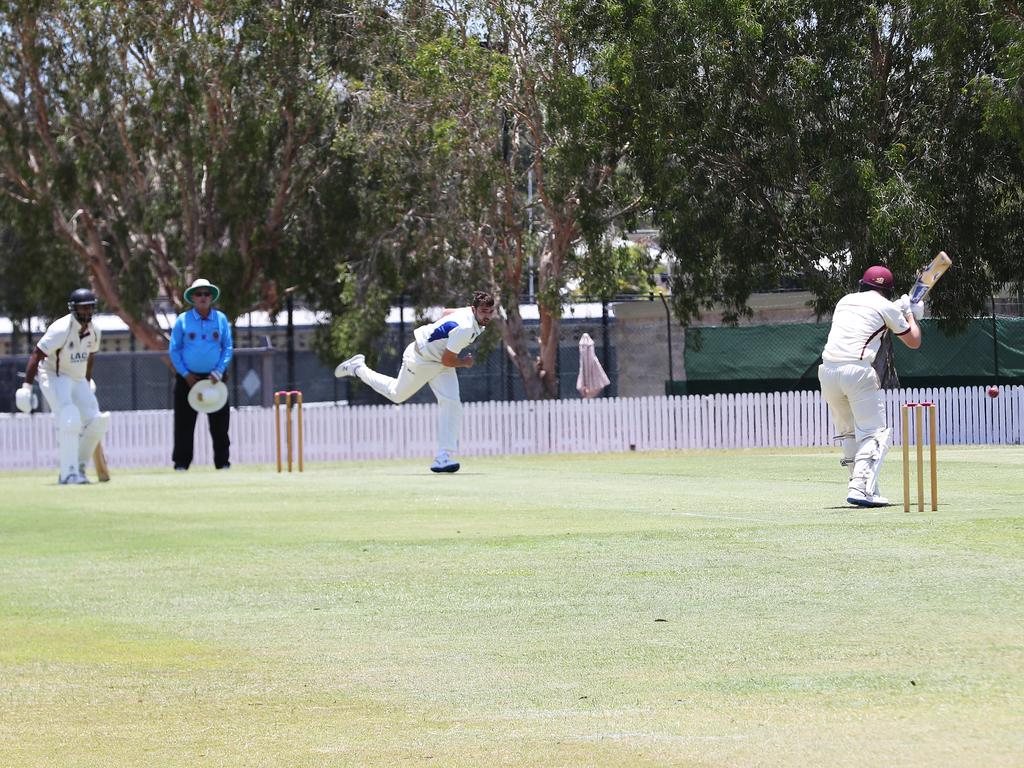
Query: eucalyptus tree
point(159, 141)
point(475, 141)
point(579, 191)
point(1002, 96)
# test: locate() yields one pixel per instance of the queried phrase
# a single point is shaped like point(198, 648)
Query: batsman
point(63, 360)
point(856, 363)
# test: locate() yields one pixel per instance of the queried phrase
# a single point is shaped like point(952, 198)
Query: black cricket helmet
point(82, 297)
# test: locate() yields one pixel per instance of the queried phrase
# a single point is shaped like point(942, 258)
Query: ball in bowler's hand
point(993, 391)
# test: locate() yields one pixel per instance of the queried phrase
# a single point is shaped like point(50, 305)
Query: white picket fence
point(337, 432)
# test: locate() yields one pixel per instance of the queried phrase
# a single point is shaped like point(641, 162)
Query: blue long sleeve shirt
point(201, 345)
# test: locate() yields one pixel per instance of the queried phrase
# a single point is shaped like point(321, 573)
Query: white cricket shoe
point(74, 479)
point(348, 368)
point(444, 463)
point(861, 499)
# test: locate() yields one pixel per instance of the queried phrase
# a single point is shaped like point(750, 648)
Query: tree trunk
point(549, 273)
point(513, 333)
point(91, 251)
point(547, 363)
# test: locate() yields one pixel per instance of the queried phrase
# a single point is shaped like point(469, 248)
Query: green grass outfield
point(683, 609)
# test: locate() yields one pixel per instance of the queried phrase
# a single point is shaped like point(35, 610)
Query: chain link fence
point(642, 348)
point(144, 380)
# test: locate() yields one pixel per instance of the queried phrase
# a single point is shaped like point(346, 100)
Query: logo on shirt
point(442, 331)
point(192, 334)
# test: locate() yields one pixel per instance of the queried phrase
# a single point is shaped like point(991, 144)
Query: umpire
point(201, 348)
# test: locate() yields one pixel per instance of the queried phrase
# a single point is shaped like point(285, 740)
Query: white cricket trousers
point(855, 402)
point(415, 372)
point(65, 396)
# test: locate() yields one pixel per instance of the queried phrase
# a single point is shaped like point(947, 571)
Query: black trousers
point(185, 427)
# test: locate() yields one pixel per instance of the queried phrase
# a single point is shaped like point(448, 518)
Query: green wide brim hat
point(202, 283)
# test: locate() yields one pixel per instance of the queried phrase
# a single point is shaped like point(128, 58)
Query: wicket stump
point(291, 398)
point(919, 438)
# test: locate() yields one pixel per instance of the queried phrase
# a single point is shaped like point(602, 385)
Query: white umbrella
point(592, 378)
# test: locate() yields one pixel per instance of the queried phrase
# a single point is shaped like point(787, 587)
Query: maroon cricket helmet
point(878, 277)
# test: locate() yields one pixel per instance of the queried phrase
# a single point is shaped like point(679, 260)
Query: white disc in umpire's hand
point(25, 400)
point(208, 396)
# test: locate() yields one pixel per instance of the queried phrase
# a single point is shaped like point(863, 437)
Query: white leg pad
point(69, 427)
point(91, 436)
point(868, 461)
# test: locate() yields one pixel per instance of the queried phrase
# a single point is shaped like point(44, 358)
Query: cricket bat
point(929, 277)
point(99, 461)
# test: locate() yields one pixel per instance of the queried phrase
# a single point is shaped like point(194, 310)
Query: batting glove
point(24, 398)
point(917, 310)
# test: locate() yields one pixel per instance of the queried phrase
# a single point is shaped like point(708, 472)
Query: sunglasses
point(201, 293)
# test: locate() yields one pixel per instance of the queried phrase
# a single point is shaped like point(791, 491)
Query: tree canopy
point(807, 140)
point(161, 141)
point(350, 154)
point(480, 169)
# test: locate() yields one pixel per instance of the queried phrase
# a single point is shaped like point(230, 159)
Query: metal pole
point(234, 365)
point(131, 346)
point(529, 229)
point(995, 340)
point(558, 364)
point(267, 364)
point(401, 322)
point(605, 344)
point(290, 304)
point(668, 327)
point(506, 368)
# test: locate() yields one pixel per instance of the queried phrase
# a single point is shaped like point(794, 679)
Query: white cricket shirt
point(68, 348)
point(453, 332)
point(858, 324)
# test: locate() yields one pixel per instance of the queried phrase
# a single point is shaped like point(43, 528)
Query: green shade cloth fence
point(776, 358)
